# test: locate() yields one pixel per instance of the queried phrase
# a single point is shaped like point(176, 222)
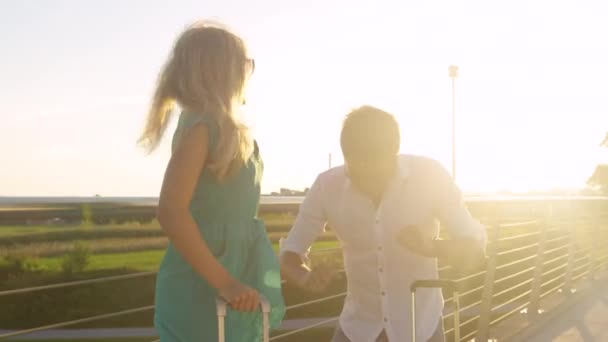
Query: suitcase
point(221, 306)
point(449, 285)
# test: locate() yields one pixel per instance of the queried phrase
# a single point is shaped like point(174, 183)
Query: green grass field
point(141, 260)
point(41, 308)
point(128, 246)
point(11, 231)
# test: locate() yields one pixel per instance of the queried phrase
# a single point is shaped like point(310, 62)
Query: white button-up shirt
point(379, 270)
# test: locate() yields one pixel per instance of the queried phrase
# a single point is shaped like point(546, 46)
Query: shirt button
point(383, 293)
point(379, 248)
point(380, 270)
point(385, 319)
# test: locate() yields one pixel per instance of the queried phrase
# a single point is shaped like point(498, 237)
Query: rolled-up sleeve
point(309, 223)
point(451, 208)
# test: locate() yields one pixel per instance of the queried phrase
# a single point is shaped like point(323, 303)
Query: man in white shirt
point(385, 210)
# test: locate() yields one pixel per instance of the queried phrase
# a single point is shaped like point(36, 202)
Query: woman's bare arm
point(181, 177)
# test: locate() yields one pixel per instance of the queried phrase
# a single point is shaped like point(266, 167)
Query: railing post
point(593, 253)
point(534, 309)
point(485, 309)
point(568, 288)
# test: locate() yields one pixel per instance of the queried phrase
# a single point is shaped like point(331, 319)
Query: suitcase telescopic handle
point(222, 308)
point(446, 284)
point(449, 285)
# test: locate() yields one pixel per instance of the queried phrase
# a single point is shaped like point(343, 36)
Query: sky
point(76, 78)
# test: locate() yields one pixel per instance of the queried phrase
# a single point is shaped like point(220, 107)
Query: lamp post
point(453, 75)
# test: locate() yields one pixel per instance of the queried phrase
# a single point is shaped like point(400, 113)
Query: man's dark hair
point(368, 131)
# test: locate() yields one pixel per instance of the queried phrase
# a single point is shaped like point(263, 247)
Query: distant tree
point(599, 178)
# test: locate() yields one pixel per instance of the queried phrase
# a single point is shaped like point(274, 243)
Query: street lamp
point(453, 74)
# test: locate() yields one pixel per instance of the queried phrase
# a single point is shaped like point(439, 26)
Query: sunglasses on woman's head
point(251, 63)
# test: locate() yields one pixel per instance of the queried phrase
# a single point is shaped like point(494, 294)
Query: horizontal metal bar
point(555, 229)
point(518, 249)
point(464, 309)
point(469, 336)
point(548, 262)
point(559, 238)
point(512, 288)
point(76, 283)
point(472, 291)
point(451, 330)
point(553, 250)
point(552, 290)
point(512, 263)
point(603, 258)
point(325, 250)
point(552, 280)
point(519, 224)
point(603, 248)
point(464, 294)
point(584, 260)
point(579, 276)
point(583, 266)
point(77, 321)
point(293, 332)
point(315, 301)
point(511, 276)
point(521, 236)
point(602, 263)
point(508, 314)
point(555, 269)
point(583, 251)
point(502, 305)
point(478, 274)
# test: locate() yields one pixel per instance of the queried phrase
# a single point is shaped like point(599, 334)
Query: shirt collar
point(403, 171)
point(403, 167)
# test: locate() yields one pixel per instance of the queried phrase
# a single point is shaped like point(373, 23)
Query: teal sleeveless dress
point(226, 214)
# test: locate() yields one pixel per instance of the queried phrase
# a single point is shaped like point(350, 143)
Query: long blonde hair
point(204, 74)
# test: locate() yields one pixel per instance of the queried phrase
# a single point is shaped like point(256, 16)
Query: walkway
point(586, 320)
point(79, 334)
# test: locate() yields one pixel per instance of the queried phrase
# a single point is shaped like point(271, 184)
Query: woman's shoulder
point(189, 119)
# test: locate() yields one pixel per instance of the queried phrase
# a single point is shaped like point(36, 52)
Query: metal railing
point(527, 262)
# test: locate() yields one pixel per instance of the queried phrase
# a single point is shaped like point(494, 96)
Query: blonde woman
point(210, 194)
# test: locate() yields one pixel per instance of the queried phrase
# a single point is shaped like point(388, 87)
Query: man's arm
point(309, 224)
point(467, 238)
point(466, 246)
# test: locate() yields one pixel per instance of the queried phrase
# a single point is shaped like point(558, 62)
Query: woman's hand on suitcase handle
point(240, 296)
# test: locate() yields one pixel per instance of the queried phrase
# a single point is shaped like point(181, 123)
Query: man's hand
point(296, 272)
point(464, 255)
point(412, 239)
point(318, 279)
